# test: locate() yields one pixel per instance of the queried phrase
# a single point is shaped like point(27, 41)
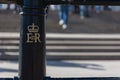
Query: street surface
point(69, 68)
point(103, 23)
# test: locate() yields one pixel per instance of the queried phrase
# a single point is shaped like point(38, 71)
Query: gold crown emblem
point(33, 28)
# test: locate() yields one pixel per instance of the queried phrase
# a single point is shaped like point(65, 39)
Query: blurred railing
point(73, 2)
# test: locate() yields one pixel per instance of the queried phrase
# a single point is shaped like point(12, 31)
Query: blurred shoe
point(64, 26)
point(61, 22)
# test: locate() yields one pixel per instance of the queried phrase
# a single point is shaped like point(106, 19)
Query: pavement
point(72, 68)
point(68, 68)
point(105, 22)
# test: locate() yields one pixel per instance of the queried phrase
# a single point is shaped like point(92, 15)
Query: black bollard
point(32, 43)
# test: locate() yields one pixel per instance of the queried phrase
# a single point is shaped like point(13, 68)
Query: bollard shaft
point(32, 48)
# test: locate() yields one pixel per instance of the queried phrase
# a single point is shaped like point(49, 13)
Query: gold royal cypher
point(33, 36)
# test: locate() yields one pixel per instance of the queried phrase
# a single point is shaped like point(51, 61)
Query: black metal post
point(32, 47)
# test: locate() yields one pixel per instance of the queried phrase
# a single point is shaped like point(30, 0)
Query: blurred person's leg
point(84, 12)
point(65, 16)
point(60, 13)
point(71, 9)
point(99, 9)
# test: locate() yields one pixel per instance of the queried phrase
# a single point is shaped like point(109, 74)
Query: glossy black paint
point(32, 55)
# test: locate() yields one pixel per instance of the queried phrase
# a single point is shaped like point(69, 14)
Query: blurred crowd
point(64, 10)
point(14, 7)
point(82, 10)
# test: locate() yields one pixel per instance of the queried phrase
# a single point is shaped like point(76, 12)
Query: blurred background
point(83, 43)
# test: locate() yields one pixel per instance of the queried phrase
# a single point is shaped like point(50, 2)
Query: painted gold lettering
point(37, 37)
point(29, 38)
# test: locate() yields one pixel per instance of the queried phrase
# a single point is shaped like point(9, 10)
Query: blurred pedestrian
point(76, 9)
point(84, 11)
point(99, 8)
point(63, 11)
